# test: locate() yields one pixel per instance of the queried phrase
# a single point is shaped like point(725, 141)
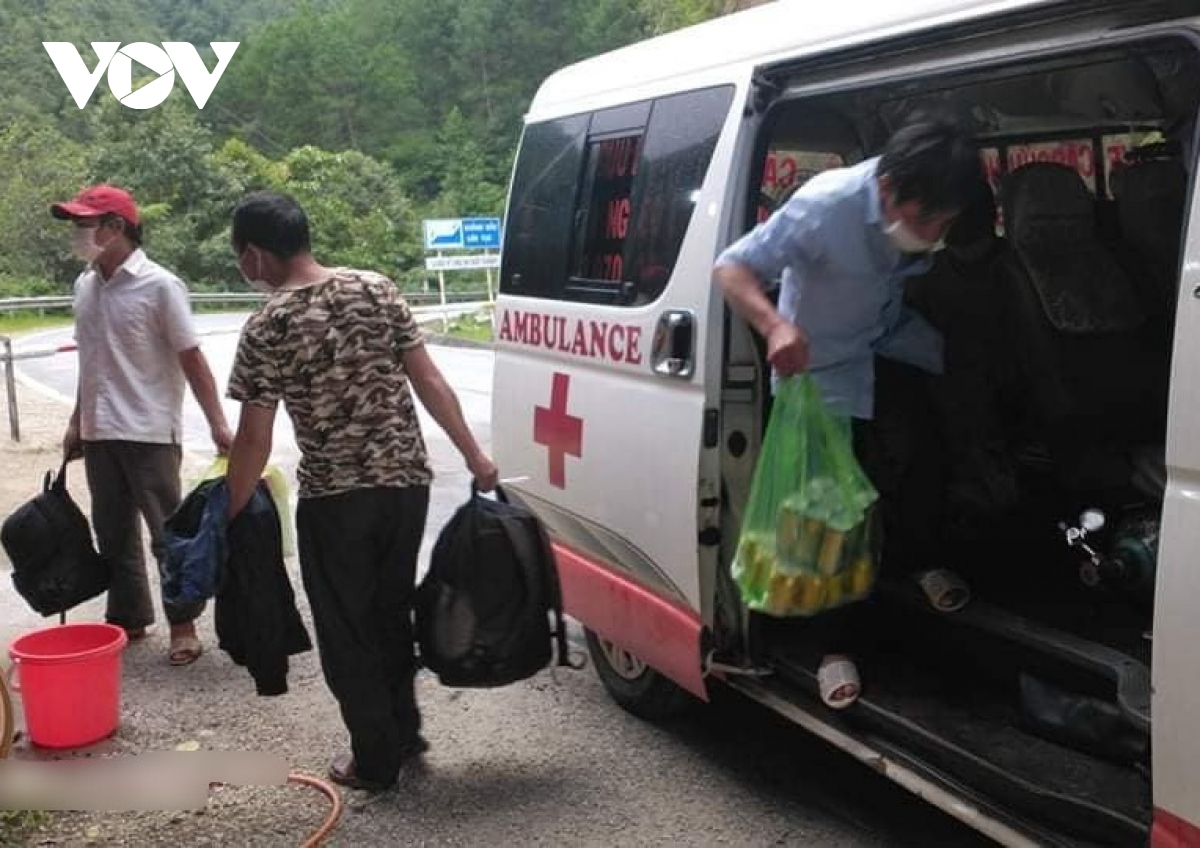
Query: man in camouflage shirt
point(340, 349)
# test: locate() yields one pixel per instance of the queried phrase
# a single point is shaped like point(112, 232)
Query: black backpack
point(48, 539)
point(483, 609)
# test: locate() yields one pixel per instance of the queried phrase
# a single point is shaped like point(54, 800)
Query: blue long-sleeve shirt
point(842, 283)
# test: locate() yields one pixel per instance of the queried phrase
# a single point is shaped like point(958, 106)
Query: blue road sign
point(444, 234)
point(481, 233)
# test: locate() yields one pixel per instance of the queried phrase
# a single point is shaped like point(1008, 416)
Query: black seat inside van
point(1089, 359)
point(961, 296)
point(1151, 194)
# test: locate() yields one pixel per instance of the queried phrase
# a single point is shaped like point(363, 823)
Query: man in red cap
point(137, 348)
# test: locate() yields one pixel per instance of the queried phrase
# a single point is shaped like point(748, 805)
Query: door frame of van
point(825, 77)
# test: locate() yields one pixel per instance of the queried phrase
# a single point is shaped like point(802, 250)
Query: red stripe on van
point(1170, 831)
point(616, 607)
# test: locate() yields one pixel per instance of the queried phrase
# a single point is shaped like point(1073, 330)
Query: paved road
point(469, 371)
point(552, 760)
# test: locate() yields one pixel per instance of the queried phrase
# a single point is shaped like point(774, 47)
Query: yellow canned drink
point(790, 589)
point(810, 595)
point(830, 558)
point(757, 562)
point(778, 586)
point(812, 535)
point(787, 529)
point(862, 576)
point(835, 591)
point(789, 539)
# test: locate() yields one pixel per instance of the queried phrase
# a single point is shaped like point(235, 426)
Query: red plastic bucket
point(69, 679)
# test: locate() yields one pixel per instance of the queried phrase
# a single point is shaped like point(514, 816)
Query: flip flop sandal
point(834, 678)
point(945, 590)
point(185, 650)
point(342, 772)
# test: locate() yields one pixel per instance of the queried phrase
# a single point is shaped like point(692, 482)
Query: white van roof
point(775, 31)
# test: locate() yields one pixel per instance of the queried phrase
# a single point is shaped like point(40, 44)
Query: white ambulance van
point(1062, 706)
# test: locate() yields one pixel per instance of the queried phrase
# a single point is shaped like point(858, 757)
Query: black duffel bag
point(48, 540)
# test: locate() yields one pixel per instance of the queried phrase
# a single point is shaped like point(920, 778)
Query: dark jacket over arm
point(257, 622)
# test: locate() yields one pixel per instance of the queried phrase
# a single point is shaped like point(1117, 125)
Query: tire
point(635, 686)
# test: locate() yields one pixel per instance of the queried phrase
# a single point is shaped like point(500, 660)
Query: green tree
point(50, 167)
point(164, 156)
point(470, 183)
point(358, 211)
point(373, 114)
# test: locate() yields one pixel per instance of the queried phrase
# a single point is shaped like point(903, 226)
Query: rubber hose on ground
point(326, 789)
point(335, 811)
point(8, 725)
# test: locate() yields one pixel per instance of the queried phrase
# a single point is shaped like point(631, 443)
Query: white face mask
point(256, 282)
point(83, 244)
point(906, 241)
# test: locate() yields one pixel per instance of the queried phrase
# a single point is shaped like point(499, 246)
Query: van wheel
point(634, 685)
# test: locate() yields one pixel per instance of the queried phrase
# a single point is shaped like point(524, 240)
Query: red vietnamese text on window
point(613, 166)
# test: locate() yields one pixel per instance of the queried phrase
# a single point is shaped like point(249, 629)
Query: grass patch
point(475, 328)
point(17, 824)
point(24, 322)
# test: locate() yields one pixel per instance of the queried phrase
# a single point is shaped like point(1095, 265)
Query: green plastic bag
point(806, 541)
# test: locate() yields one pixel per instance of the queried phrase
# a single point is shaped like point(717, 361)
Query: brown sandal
point(341, 772)
point(185, 650)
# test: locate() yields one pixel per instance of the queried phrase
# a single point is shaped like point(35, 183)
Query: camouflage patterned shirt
point(332, 353)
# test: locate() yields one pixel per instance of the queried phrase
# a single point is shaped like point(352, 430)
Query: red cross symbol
point(561, 433)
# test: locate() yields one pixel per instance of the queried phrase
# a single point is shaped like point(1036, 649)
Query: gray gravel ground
point(548, 761)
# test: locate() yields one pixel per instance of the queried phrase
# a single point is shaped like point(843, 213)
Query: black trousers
point(901, 451)
point(358, 558)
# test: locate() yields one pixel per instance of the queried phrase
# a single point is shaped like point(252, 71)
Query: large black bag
point(48, 539)
point(483, 609)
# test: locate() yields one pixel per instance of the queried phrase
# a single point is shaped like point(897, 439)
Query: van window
point(538, 230)
point(679, 146)
point(803, 143)
point(600, 203)
point(787, 169)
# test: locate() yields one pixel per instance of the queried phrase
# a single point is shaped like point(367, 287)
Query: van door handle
point(673, 353)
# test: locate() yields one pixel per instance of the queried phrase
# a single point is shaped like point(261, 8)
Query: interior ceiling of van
point(1147, 85)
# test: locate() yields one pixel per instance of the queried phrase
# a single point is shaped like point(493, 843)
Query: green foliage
point(372, 114)
point(15, 825)
point(359, 211)
point(48, 166)
point(476, 327)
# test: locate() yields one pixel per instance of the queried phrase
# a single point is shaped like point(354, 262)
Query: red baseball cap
point(98, 200)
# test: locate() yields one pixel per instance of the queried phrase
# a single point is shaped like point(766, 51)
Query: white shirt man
point(137, 348)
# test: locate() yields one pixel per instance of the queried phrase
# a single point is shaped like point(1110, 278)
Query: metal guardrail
point(8, 356)
point(25, 304)
point(10, 386)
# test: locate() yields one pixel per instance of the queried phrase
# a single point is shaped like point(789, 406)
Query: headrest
point(1050, 218)
point(1045, 192)
point(1150, 181)
point(1151, 199)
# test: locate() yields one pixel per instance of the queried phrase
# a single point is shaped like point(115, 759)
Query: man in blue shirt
point(843, 245)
